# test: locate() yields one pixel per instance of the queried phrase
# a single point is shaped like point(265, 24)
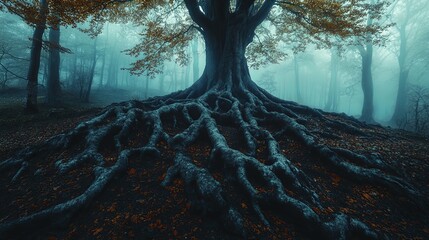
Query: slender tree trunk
point(297, 80)
point(36, 49)
point(402, 96)
point(195, 60)
point(146, 92)
point(112, 72)
point(161, 80)
point(3, 85)
point(91, 73)
point(73, 83)
point(53, 83)
point(332, 103)
point(174, 78)
point(103, 60)
point(112, 77)
point(103, 63)
point(187, 76)
point(367, 85)
point(45, 63)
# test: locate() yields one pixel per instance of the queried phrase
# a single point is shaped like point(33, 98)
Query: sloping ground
point(135, 205)
point(19, 130)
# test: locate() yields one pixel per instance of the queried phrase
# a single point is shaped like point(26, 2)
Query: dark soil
point(136, 206)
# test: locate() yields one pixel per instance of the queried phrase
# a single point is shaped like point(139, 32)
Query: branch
point(197, 16)
point(262, 14)
point(7, 70)
point(245, 5)
point(5, 51)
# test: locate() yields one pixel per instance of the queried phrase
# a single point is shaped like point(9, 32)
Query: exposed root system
point(180, 120)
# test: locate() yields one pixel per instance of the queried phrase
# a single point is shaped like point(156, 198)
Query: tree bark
point(161, 80)
point(91, 73)
point(195, 60)
point(226, 41)
point(53, 84)
point(367, 85)
point(112, 77)
point(332, 103)
point(226, 66)
point(103, 60)
point(402, 96)
point(146, 90)
point(36, 49)
point(297, 80)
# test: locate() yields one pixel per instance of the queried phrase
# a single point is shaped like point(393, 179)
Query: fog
point(305, 77)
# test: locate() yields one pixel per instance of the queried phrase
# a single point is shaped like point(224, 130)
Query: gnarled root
point(285, 185)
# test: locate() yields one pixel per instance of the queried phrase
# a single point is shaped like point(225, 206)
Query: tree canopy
point(168, 26)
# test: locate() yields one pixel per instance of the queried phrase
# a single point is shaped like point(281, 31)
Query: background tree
point(53, 90)
point(41, 14)
point(366, 52)
point(195, 60)
point(36, 49)
point(332, 103)
point(13, 60)
point(408, 54)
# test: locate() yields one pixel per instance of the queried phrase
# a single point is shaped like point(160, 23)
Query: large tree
point(223, 98)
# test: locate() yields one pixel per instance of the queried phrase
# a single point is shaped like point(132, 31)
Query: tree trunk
point(296, 72)
point(161, 80)
point(112, 77)
point(195, 60)
point(103, 60)
point(187, 75)
point(332, 103)
point(36, 49)
point(226, 66)
point(3, 84)
point(146, 91)
point(367, 85)
point(73, 83)
point(53, 84)
point(402, 96)
point(91, 73)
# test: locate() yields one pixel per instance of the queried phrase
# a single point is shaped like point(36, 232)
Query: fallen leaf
point(97, 231)
point(132, 171)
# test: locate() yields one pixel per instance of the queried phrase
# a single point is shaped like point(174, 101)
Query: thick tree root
point(202, 117)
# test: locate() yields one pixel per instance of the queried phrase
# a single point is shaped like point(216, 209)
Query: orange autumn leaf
point(112, 208)
point(335, 179)
point(135, 219)
point(366, 196)
point(132, 171)
point(97, 231)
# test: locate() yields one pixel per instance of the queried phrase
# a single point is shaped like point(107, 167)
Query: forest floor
point(135, 205)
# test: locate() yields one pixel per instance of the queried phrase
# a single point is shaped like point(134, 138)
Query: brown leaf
point(366, 196)
point(97, 231)
point(132, 171)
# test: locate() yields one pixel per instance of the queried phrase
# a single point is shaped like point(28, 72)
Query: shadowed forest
point(214, 119)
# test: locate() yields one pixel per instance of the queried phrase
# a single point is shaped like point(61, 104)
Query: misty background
point(94, 70)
